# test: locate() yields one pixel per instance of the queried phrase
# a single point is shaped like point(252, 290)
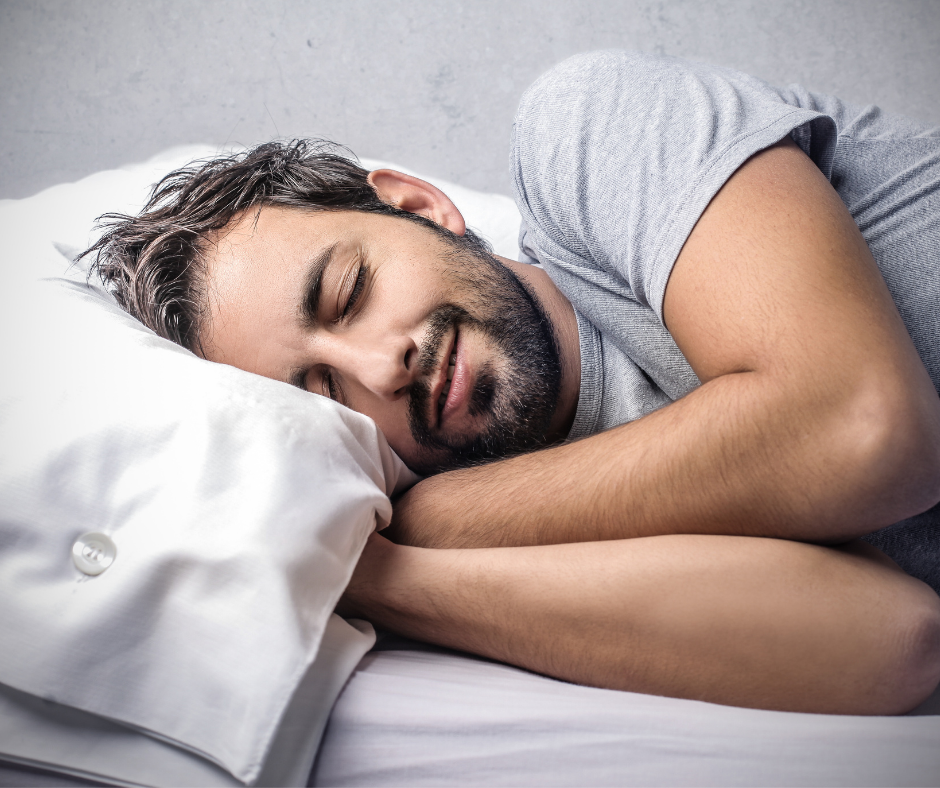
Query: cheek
point(392, 419)
point(403, 444)
point(418, 280)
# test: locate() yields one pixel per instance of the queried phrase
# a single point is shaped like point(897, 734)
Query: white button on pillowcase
point(93, 552)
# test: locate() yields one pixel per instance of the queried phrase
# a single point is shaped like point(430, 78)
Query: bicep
point(779, 307)
point(776, 278)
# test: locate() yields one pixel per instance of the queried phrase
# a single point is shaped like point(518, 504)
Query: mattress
point(415, 715)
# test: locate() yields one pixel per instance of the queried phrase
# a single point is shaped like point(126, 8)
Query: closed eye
point(328, 386)
point(356, 291)
point(331, 388)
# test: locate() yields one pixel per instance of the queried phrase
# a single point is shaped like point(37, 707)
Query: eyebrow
point(310, 305)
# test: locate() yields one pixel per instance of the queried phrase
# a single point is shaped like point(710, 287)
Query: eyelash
point(356, 291)
point(358, 287)
point(330, 387)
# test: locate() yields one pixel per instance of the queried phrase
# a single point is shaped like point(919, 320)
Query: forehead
point(257, 242)
point(254, 265)
point(275, 238)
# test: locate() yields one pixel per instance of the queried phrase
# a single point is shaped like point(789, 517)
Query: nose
point(383, 365)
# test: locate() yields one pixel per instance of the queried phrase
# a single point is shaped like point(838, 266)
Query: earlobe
point(417, 196)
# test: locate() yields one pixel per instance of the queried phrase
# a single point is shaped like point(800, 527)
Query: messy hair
point(153, 262)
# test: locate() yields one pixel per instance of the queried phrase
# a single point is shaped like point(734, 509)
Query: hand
point(376, 567)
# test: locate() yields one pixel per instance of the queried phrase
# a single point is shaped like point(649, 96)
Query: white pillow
point(237, 506)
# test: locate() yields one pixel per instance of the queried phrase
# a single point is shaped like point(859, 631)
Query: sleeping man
point(653, 455)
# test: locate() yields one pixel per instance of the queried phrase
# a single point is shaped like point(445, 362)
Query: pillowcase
point(52, 737)
point(174, 534)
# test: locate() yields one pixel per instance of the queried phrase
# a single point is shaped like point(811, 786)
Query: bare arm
point(816, 419)
point(762, 623)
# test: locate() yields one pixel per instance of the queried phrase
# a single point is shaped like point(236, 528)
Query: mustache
point(439, 323)
point(430, 358)
point(515, 400)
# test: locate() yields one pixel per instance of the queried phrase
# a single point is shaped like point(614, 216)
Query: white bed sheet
point(412, 715)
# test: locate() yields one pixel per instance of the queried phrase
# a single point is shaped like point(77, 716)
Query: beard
point(518, 399)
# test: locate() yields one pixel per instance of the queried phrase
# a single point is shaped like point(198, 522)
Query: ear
point(416, 196)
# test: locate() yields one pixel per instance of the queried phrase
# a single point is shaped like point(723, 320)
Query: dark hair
point(152, 262)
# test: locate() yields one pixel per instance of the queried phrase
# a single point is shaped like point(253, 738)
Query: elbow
point(894, 437)
point(915, 674)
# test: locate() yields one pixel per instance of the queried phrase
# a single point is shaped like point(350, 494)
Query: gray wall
point(431, 85)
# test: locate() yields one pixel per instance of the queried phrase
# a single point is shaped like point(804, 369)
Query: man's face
point(437, 342)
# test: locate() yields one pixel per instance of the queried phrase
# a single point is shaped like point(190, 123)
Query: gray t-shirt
point(615, 155)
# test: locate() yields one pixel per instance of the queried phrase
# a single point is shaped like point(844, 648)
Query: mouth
point(445, 378)
point(452, 390)
point(448, 381)
point(454, 396)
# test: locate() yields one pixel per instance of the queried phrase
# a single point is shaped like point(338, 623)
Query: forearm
point(751, 622)
point(740, 455)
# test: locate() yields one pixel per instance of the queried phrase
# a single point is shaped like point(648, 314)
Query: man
point(710, 354)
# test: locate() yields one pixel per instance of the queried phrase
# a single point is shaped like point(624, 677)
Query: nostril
point(411, 356)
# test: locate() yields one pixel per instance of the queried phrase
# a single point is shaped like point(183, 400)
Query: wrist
point(381, 580)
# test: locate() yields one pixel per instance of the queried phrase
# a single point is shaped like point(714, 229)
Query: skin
point(816, 421)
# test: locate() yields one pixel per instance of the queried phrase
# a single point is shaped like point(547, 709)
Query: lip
point(460, 384)
point(441, 380)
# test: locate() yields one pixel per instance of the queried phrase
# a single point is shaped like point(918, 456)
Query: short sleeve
point(615, 155)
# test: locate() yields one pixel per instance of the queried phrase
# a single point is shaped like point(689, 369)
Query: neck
point(561, 315)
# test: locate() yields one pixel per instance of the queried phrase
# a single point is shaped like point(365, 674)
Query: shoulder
point(615, 154)
point(597, 71)
point(594, 110)
point(594, 86)
point(628, 121)
point(636, 84)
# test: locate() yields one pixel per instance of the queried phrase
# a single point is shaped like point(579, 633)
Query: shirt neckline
point(592, 380)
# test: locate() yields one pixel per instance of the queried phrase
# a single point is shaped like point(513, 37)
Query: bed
point(357, 709)
point(416, 715)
